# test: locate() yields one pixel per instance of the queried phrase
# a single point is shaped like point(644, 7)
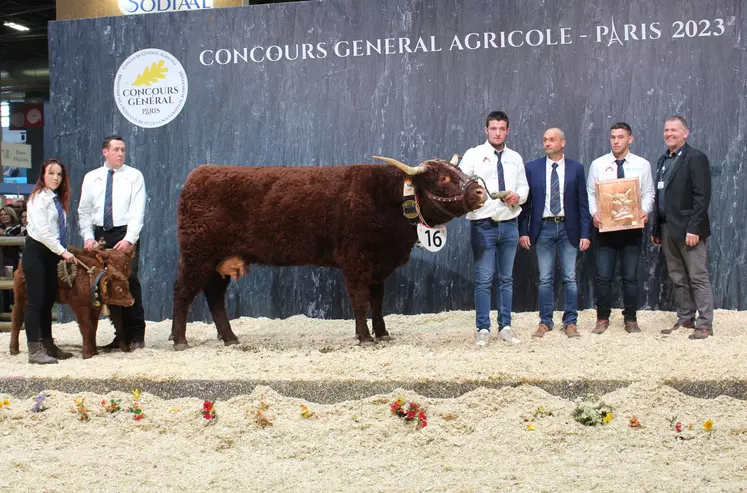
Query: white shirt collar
point(561, 161)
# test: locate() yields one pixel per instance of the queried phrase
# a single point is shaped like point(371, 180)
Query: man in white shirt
point(494, 231)
point(625, 244)
point(112, 206)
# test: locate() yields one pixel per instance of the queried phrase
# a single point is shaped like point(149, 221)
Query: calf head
point(115, 288)
point(444, 191)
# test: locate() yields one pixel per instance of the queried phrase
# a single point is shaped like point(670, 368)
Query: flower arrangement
point(409, 411)
point(708, 425)
point(306, 413)
point(112, 406)
point(39, 406)
point(4, 403)
point(80, 409)
point(208, 410)
point(260, 418)
point(591, 411)
point(135, 409)
point(634, 423)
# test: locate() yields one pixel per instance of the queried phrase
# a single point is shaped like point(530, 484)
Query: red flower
point(207, 406)
point(137, 417)
point(678, 426)
point(395, 407)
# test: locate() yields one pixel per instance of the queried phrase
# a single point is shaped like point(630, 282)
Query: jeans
point(553, 237)
point(627, 246)
point(494, 248)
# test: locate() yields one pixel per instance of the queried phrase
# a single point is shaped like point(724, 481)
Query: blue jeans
point(494, 248)
point(627, 246)
point(553, 237)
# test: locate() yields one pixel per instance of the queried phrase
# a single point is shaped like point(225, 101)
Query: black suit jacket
point(687, 194)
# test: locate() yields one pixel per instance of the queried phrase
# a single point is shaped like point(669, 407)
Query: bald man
point(555, 219)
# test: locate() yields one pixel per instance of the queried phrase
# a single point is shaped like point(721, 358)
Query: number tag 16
point(432, 239)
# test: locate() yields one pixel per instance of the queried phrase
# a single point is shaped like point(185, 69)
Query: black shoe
point(137, 345)
point(112, 346)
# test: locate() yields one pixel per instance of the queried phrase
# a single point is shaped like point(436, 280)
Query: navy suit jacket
point(575, 201)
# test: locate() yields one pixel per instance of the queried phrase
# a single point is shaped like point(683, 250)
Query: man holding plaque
point(620, 211)
point(681, 226)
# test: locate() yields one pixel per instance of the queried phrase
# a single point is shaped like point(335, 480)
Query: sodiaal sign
point(150, 88)
point(131, 7)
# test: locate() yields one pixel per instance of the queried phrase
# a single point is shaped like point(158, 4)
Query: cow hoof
point(230, 342)
point(181, 346)
point(385, 338)
point(367, 343)
point(14, 352)
point(88, 355)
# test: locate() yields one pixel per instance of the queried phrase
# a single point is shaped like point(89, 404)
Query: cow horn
point(402, 166)
point(455, 159)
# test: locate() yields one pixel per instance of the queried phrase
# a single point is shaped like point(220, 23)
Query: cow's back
point(287, 215)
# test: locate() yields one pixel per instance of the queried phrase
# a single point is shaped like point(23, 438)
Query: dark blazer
point(575, 201)
point(687, 194)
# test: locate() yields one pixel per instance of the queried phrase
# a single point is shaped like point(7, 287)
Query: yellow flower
point(136, 395)
point(6, 402)
point(306, 412)
point(708, 425)
point(175, 410)
point(607, 418)
point(531, 427)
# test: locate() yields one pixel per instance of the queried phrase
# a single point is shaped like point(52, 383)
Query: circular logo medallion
point(150, 88)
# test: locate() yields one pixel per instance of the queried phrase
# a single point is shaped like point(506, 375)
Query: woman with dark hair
point(45, 244)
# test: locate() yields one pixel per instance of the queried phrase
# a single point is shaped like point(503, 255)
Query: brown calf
point(113, 288)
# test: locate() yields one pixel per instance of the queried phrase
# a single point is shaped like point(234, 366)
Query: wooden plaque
point(619, 203)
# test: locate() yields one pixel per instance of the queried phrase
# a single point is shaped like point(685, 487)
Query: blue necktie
point(501, 179)
point(61, 229)
point(555, 190)
point(620, 170)
point(108, 218)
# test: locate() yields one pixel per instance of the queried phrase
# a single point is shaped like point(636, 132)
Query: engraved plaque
point(619, 204)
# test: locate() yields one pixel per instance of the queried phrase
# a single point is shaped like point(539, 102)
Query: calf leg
point(16, 322)
point(376, 291)
point(83, 316)
point(215, 293)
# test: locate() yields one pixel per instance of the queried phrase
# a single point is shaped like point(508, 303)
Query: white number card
point(432, 239)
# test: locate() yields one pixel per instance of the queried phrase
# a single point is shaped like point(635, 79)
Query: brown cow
point(109, 271)
point(349, 217)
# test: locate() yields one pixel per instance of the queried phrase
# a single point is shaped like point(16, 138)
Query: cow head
point(115, 288)
point(443, 190)
point(120, 260)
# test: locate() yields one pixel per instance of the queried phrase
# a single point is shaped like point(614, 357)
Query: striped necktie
point(555, 190)
point(108, 218)
point(61, 227)
point(501, 179)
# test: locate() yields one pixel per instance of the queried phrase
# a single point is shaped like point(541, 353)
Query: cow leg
point(189, 282)
point(83, 316)
point(17, 317)
point(376, 291)
point(215, 294)
point(358, 290)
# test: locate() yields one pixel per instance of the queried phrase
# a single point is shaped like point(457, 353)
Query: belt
point(114, 228)
point(491, 220)
point(554, 219)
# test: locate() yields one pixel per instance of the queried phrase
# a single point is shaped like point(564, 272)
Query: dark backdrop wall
point(570, 64)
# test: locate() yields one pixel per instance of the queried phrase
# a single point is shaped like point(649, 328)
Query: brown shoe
point(571, 331)
point(631, 327)
point(701, 334)
point(601, 326)
point(688, 325)
point(542, 329)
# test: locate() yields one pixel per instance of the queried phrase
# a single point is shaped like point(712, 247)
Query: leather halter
point(466, 181)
